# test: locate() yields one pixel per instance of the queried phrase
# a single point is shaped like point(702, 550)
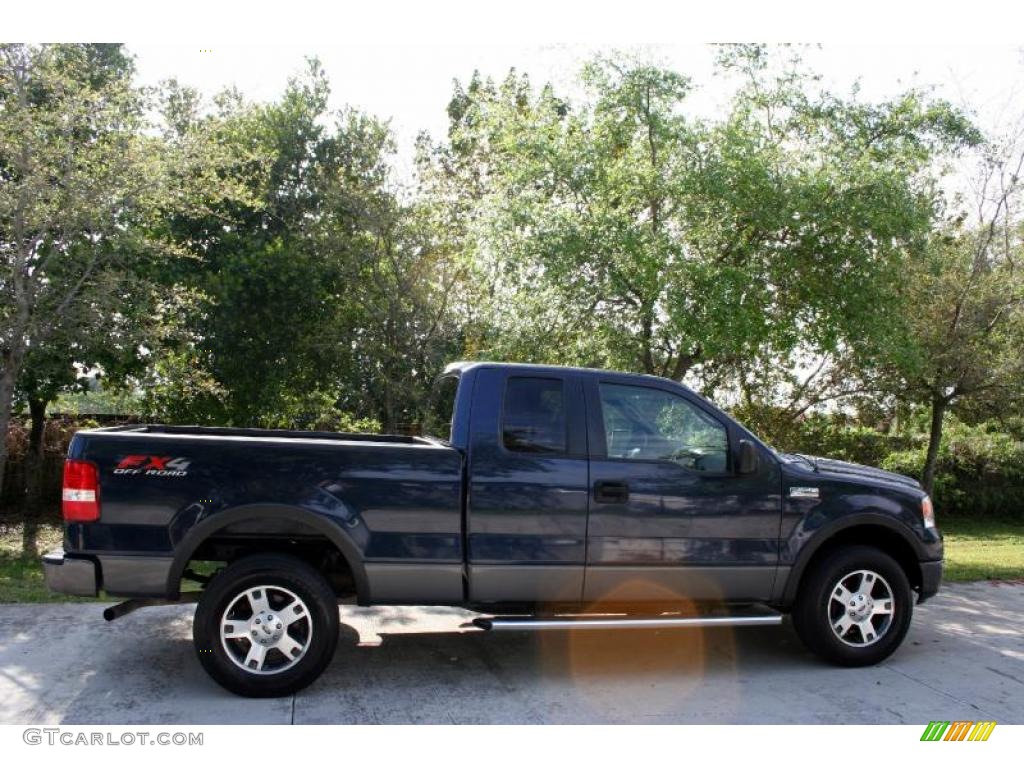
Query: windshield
point(438, 422)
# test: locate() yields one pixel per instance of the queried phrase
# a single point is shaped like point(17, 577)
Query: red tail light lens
point(81, 497)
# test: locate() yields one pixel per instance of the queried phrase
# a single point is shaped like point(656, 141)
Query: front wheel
point(266, 626)
point(854, 607)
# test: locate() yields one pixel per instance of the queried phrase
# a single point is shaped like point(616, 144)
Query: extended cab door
point(670, 517)
point(528, 486)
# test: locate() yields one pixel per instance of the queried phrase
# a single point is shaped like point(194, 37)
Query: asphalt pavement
point(963, 660)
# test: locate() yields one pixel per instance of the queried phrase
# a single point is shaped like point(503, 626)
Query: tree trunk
point(37, 412)
point(685, 362)
point(647, 338)
point(34, 457)
point(389, 426)
point(939, 406)
point(8, 376)
point(33, 479)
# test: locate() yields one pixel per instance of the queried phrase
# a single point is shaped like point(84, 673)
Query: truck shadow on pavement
point(389, 667)
point(962, 660)
point(427, 675)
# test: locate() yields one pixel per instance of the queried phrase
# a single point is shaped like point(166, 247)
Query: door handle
point(611, 492)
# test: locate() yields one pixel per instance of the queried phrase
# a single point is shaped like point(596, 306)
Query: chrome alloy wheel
point(860, 609)
point(266, 630)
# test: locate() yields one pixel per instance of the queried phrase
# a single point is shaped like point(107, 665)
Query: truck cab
point(591, 486)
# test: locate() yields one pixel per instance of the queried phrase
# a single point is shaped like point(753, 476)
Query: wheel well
point(290, 537)
point(877, 536)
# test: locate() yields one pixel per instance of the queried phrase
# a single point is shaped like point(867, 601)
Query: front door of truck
point(528, 487)
point(670, 519)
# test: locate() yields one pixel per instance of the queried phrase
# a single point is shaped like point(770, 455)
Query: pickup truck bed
point(385, 499)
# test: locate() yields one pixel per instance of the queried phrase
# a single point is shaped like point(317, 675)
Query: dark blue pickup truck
point(548, 498)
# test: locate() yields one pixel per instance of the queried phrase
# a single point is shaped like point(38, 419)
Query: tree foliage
point(962, 321)
point(79, 180)
point(224, 261)
point(315, 289)
point(637, 236)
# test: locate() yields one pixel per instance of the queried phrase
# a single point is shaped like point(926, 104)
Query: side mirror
point(748, 458)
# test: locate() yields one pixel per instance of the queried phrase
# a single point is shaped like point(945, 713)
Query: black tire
point(816, 609)
point(283, 574)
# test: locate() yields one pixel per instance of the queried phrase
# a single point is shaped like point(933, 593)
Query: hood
point(860, 472)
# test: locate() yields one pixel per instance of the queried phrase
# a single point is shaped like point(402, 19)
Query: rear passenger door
point(528, 487)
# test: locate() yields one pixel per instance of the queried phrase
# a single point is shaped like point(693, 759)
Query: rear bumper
point(118, 575)
point(931, 578)
point(70, 575)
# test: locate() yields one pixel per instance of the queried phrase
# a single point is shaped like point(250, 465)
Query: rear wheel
point(266, 626)
point(854, 607)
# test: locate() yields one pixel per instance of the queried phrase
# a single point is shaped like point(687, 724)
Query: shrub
point(979, 471)
point(316, 411)
point(836, 436)
point(980, 468)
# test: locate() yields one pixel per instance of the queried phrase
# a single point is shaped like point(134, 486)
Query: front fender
point(818, 525)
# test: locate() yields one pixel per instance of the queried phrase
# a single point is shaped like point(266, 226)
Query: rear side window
point(534, 419)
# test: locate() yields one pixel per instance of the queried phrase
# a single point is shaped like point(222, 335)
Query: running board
point(532, 624)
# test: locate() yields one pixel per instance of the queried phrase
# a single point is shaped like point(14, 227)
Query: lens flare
point(673, 662)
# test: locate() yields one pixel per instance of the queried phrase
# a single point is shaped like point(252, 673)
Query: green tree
point(106, 342)
point(266, 317)
point(322, 292)
point(962, 317)
point(78, 179)
point(403, 279)
point(621, 231)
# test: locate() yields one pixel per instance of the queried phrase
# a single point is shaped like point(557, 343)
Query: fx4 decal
point(156, 466)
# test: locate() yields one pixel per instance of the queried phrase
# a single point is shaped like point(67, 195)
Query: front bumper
point(70, 575)
point(931, 578)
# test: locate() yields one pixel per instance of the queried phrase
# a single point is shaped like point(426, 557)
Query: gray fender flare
point(202, 531)
point(824, 535)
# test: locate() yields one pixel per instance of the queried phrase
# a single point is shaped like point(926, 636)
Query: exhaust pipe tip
point(128, 606)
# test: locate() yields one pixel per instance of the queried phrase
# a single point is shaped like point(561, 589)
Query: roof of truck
point(465, 365)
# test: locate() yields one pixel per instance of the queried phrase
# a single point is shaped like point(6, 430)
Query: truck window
point(533, 420)
point(442, 408)
point(642, 423)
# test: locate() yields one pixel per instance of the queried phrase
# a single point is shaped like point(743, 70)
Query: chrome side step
point(532, 624)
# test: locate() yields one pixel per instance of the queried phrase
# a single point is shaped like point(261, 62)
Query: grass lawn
point(975, 550)
point(21, 575)
point(983, 549)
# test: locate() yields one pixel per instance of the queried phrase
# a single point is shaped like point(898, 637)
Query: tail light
point(81, 497)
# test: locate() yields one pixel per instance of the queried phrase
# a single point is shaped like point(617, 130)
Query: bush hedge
point(979, 472)
point(980, 468)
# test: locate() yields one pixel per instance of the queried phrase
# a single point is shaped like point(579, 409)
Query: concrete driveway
point(963, 659)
